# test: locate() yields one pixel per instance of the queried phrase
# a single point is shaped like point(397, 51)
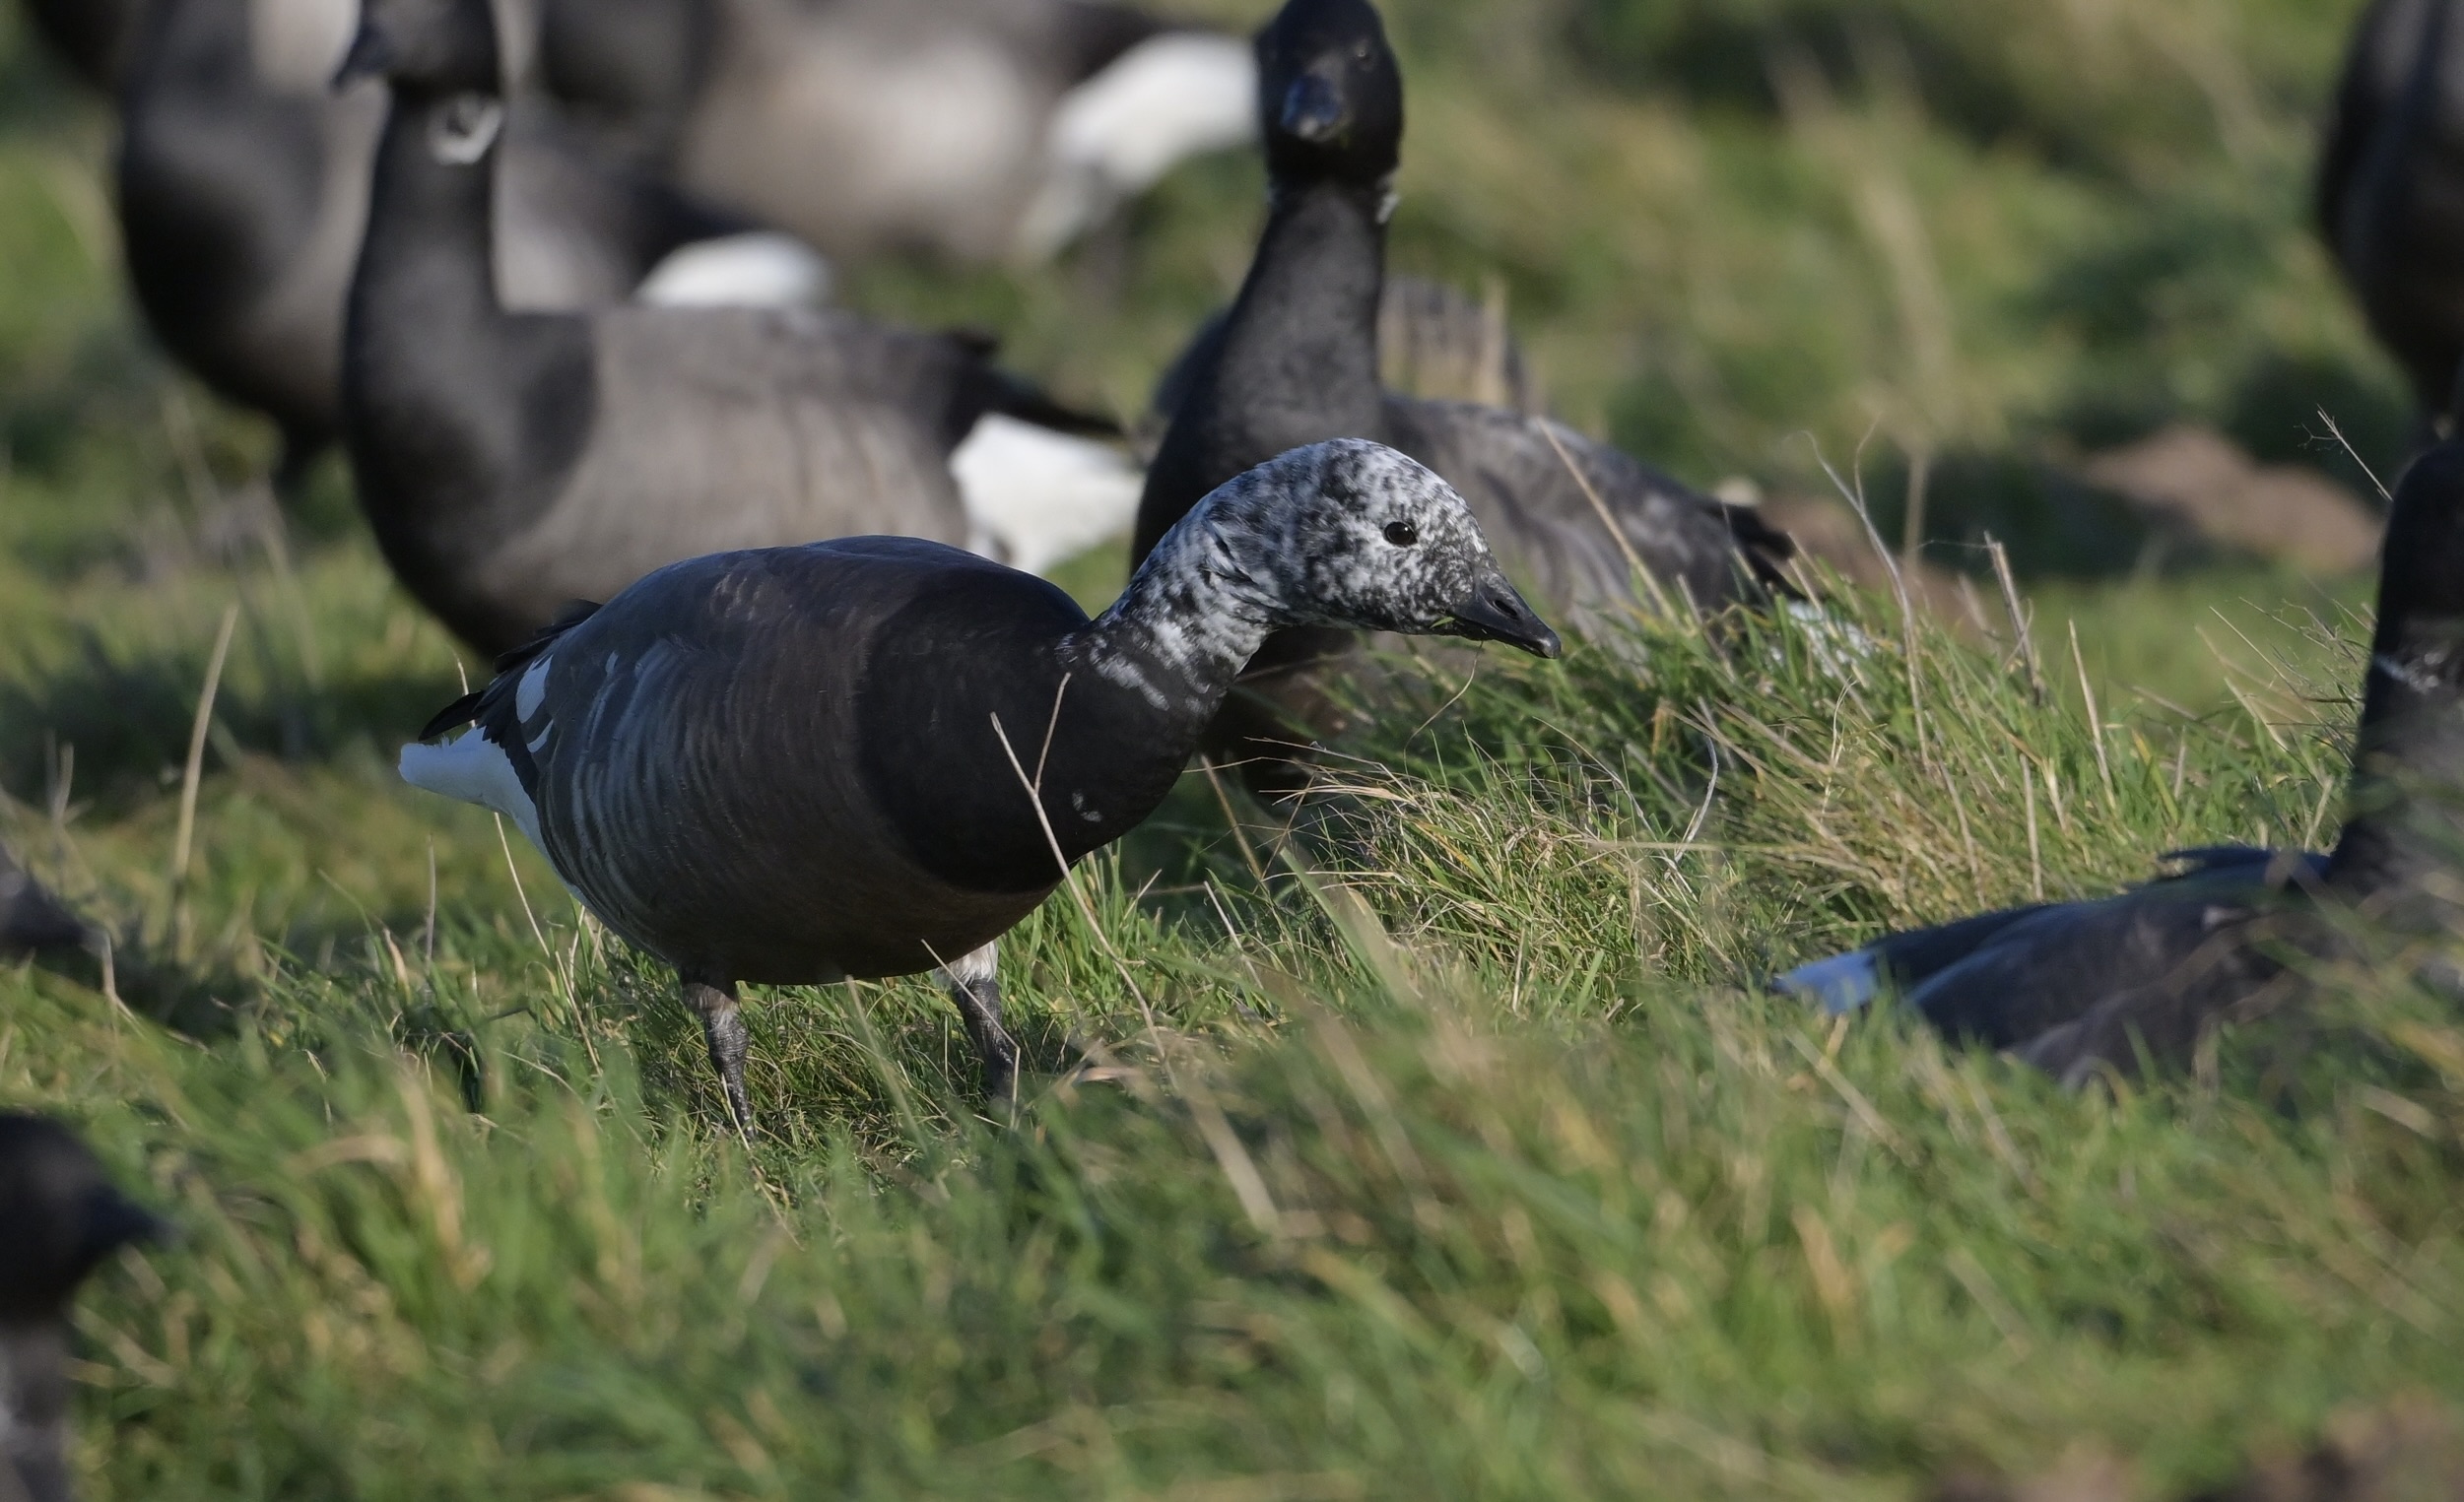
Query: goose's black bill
point(1313, 108)
point(1493, 612)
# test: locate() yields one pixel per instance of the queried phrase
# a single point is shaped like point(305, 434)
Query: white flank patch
point(1840, 984)
point(1038, 496)
point(977, 966)
point(473, 769)
point(763, 269)
point(1116, 134)
point(532, 689)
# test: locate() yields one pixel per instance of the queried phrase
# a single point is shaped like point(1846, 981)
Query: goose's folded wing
point(1897, 963)
point(2152, 963)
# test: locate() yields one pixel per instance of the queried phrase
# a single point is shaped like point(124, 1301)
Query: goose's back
point(1546, 528)
point(722, 430)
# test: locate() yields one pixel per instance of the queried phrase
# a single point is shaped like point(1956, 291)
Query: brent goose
point(2391, 186)
point(2075, 985)
point(59, 1218)
point(977, 129)
point(243, 191)
point(513, 463)
point(782, 765)
point(32, 920)
point(1297, 361)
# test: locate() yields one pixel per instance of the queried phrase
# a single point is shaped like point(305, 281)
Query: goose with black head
point(2080, 986)
point(794, 766)
point(244, 194)
point(1296, 361)
point(514, 462)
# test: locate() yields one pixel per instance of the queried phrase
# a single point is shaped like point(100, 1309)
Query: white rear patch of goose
point(474, 770)
point(1840, 984)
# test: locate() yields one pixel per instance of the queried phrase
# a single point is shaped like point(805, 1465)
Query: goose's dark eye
point(1360, 52)
point(1402, 534)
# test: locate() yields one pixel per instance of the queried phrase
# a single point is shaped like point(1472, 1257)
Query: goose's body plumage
point(2391, 185)
point(636, 733)
point(980, 129)
point(511, 462)
point(2079, 986)
point(243, 196)
point(2073, 985)
point(798, 765)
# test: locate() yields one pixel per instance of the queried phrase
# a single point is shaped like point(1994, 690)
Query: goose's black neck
point(1101, 715)
point(2403, 840)
point(1297, 359)
point(461, 416)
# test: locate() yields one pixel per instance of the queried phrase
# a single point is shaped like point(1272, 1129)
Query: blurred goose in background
point(981, 130)
point(513, 462)
point(90, 36)
point(782, 766)
point(244, 193)
point(2076, 986)
point(2391, 186)
point(32, 920)
point(60, 1218)
point(1297, 361)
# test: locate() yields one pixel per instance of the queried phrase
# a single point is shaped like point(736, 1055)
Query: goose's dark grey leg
point(724, 1028)
point(974, 983)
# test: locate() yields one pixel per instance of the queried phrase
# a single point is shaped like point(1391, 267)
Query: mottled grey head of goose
point(431, 48)
point(1352, 533)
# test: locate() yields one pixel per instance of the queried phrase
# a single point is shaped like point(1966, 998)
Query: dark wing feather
point(470, 707)
point(1542, 518)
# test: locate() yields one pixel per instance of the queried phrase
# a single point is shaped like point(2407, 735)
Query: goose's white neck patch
point(460, 133)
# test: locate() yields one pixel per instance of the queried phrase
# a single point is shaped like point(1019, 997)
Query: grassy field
point(1444, 1146)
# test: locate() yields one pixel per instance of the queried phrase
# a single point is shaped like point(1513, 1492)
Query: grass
point(1447, 1147)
